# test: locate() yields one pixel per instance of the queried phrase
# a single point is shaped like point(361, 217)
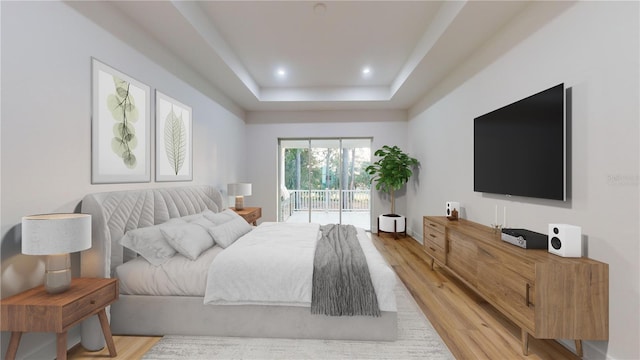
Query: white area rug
point(416, 340)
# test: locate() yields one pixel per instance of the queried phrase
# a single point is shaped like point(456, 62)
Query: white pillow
point(189, 239)
point(150, 243)
point(225, 234)
point(222, 217)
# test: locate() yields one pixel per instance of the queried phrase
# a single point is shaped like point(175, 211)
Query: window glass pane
point(323, 181)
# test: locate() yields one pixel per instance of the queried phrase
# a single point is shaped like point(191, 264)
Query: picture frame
point(120, 127)
point(174, 146)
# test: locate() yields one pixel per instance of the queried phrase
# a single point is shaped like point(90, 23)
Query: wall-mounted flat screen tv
point(521, 149)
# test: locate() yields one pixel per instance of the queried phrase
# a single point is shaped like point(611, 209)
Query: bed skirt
point(173, 315)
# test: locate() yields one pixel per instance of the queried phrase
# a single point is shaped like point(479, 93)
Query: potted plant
point(391, 172)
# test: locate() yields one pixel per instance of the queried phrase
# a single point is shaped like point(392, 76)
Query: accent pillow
point(189, 239)
point(222, 217)
point(227, 233)
point(150, 243)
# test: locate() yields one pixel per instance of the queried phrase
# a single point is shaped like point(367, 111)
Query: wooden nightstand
point(251, 214)
point(35, 310)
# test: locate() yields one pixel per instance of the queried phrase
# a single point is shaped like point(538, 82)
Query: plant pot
point(392, 223)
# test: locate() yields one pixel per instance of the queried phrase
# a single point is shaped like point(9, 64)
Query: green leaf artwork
point(123, 109)
point(175, 140)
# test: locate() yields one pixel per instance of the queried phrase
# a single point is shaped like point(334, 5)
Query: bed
point(119, 212)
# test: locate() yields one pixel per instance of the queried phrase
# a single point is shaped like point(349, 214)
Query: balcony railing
point(325, 200)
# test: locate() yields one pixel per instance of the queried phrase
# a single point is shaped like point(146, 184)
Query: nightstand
point(251, 214)
point(35, 310)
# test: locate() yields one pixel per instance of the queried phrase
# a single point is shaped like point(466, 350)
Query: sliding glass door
point(322, 180)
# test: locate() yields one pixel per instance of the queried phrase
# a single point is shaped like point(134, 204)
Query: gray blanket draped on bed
point(341, 281)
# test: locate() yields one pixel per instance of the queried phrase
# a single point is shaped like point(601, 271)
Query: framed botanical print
point(120, 127)
point(174, 146)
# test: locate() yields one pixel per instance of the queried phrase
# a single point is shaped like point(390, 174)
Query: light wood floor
point(471, 328)
point(127, 347)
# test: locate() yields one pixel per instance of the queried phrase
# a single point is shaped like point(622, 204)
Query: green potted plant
point(391, 172)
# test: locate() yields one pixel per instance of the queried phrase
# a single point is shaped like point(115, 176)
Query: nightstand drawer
point(78, 310)
point(250, 214)
point(253, 216)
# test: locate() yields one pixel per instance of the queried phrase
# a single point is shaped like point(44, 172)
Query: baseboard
point(415, 236)
point(590, 351)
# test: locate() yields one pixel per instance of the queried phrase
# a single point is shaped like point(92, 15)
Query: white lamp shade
point(239, 189)
point(49, 234)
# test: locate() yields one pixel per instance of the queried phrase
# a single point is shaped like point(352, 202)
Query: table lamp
point(239, 190)
point(56, 235)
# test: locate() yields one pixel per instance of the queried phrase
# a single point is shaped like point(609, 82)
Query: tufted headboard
point(114, 213)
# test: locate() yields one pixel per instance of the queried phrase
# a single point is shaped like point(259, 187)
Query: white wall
point(593, 47)
point(46, 131)
point(264, 129)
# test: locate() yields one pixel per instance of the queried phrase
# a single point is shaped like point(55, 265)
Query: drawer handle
point(92, 302)
point(526, 299)
point(432, 225)
point(433, 236)
point(432, 249)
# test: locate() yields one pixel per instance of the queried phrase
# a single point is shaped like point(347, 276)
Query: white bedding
point(178, 276)
point(273, 265)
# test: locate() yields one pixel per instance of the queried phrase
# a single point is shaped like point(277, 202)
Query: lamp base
point(57, 276)
point(239, 202)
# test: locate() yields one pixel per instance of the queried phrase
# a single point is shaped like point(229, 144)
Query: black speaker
point(565, 240)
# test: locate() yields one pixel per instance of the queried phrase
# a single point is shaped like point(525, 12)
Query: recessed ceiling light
point(366, 71)
point(281, 72)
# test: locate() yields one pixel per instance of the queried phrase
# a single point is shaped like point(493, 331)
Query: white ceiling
point(236, 46)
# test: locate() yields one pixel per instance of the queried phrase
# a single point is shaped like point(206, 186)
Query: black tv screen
point(520, 149)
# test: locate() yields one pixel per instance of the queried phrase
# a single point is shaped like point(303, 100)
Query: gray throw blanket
point(341, 281)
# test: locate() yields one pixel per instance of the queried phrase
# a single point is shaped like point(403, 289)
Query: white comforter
point(273, 265)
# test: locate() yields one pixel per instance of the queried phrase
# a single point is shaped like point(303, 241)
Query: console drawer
point(435, 251)
point(434, 237)
point(433, 226)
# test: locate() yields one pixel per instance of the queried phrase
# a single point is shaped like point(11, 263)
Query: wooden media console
point(547, 296)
